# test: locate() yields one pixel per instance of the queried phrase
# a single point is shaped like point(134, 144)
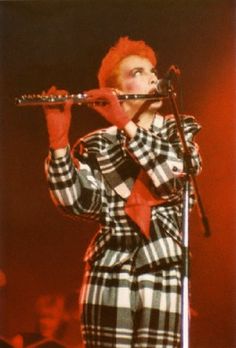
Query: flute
point(80, 99)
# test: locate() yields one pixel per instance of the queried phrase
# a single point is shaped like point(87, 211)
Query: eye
point(136, 72)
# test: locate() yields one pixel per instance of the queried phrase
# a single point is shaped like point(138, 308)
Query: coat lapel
point(116, 165)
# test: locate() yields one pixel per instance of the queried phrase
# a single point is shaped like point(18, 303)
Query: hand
point(58, 118)
point(105, 101)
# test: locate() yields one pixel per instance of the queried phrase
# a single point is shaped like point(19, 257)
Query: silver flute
point(79, 99)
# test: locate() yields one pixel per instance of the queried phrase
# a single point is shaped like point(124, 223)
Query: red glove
point(111, 109)
point(58, 119)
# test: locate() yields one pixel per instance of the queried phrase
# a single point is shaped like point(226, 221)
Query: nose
point(153, 79)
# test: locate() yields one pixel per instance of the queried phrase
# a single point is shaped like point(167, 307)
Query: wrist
point(58, 153)
point(59, 139)
point(130, 129)
point(122, 120)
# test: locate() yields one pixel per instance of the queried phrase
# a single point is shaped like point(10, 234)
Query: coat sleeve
point(161, 155)
point(74, 185)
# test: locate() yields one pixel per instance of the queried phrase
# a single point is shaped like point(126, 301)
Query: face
point(49, 322)
point(137, 75)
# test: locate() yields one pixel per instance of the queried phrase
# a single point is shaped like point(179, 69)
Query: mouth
point(155, 99)
point(153, 91)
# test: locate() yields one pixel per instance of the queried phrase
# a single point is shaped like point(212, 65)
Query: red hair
point(124, 47)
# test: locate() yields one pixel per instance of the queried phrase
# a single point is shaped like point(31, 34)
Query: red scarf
point(139, 203)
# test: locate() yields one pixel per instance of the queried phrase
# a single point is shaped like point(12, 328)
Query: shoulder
point(188, 122)
point(97, 140)
point(170, 118)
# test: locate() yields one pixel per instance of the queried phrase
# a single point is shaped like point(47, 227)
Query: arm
point(159, 153)
point(73, 185)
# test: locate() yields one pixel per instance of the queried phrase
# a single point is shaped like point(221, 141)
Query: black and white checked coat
point(96, 178)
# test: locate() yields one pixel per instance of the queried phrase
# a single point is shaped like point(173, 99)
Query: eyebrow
point(137, 68)
point(153, 70)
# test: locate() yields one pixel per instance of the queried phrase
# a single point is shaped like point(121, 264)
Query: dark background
point(62, 43)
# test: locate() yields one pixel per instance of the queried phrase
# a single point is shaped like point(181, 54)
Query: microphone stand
point(185, 221)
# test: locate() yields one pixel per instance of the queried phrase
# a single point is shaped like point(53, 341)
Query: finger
point(51, 90)
point(54, 91)
point(118, 91)
point(68, 104)
point(102, 92)
point(61, 92)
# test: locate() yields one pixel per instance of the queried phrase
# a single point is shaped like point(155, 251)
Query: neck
point(145, 120)
point(144, 116)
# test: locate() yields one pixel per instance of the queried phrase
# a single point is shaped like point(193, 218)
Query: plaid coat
point(95, 180)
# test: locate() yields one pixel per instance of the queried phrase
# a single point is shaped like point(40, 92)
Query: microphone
point(164, 84)
point(172, 73)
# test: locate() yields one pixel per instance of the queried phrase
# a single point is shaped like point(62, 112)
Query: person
point(50, 315)
point(72, 335)
point(55, 319)
point(129, 178)
point(50, 323)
